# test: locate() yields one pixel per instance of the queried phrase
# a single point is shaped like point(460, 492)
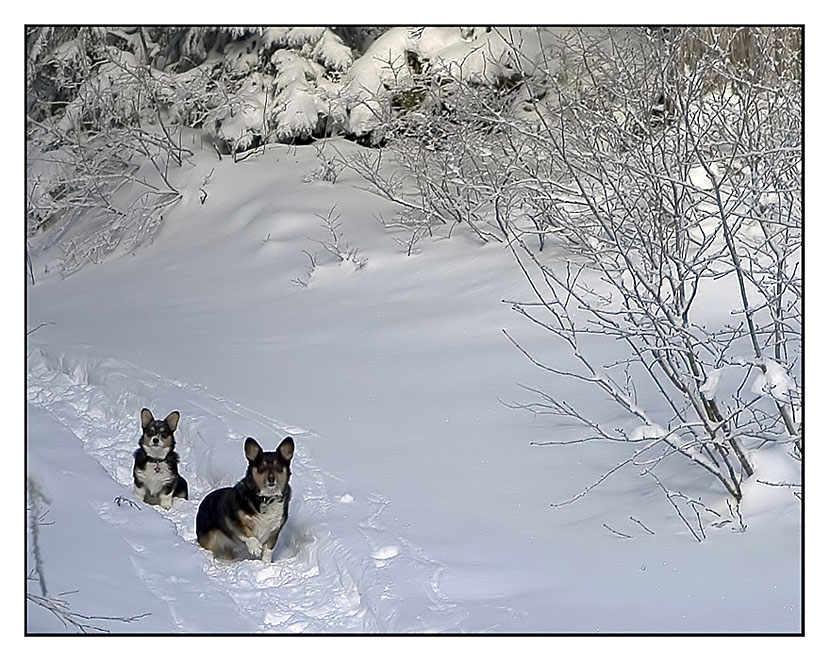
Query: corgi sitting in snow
point(156, 468)
point(250, 514)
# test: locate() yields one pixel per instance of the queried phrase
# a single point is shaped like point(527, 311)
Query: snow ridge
point(334, 564)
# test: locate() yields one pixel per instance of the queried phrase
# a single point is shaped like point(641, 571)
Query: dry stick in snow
point(68, 617)
point(36, 500)
point(617, 533)
point(643, 526)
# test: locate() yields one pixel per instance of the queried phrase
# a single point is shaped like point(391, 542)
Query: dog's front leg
point(254, 546)
point(166, 500)
point(140, 491)
point(268, 546)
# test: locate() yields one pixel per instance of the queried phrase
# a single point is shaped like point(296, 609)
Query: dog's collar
point(156, 460)
point(265, 500)
point(254, 497)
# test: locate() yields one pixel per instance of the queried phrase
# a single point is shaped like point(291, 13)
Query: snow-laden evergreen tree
point(111, 112)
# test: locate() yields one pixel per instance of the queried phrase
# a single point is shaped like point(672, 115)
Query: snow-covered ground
point(420, 503)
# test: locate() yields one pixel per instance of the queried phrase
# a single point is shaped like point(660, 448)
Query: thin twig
point(645, 528)
point(39, 326)
point(68, 617)
point(617, 533)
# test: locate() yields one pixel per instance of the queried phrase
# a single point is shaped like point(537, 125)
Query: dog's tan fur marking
point(218, 543)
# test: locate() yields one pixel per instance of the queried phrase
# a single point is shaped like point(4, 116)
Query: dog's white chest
point(155, 476)
point(268, 521)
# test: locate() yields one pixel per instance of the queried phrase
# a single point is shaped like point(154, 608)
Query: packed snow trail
point(333, 567)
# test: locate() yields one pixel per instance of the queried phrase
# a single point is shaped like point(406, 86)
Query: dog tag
point(158, 469)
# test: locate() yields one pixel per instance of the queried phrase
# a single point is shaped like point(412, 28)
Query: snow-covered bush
point(431, 100)
point(100, 149)
point(281, 86)
point(669, 163)
point(243, 86)
point(107, 108)
point(676, 179)
point(394, 70)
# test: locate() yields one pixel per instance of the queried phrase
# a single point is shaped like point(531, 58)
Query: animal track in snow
point(334, 566)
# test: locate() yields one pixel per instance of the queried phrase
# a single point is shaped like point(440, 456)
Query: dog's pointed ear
point(172, 420)
point(252, 449)
point(146, 418)
point(286, 448)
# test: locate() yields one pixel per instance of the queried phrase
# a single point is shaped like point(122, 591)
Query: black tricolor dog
point(252, 512)
point(156, 469)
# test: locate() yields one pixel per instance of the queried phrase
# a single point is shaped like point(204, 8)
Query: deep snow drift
point(419, 504)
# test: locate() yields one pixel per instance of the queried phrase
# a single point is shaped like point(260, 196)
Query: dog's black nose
point(155, 441)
